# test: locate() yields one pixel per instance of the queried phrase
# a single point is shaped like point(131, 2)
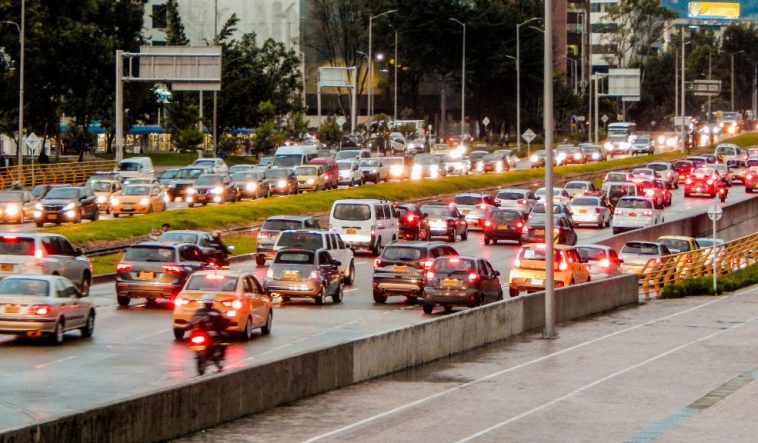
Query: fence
point(70, 172)
point(729, 256)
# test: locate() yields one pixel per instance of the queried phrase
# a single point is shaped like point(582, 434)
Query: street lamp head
point(529, 21)
point(379, 57)
point(537, 29)
point(384, 13)
point(453, 19)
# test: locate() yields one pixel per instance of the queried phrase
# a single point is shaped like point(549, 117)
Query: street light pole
point(549, 331)
point(215, 93)
point(732, 75)
point(371, 62)
point(19, 147)
point(518, 81)
point(463, 78)
point(394, 114)
point(681, 109)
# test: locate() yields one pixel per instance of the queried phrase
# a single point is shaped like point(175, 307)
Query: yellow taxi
point(139, 199)
point(310, 178)
point(238, 296)
point(528, 272)
point(104, 189)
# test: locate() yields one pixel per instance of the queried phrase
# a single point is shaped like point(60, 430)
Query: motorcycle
point(723, 191)
point(208, 350)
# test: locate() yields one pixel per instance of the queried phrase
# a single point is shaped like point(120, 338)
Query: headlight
point(560, 157)
point(731, 130)
point(608, 146)
point(577, 156)
point(144, 202)
point(311, 181)
point(533, 158)
point(38, 207)
point(345, 174)
point(217, 190)
point(416, 168)
point(70, 214)
point(661, 139)
point(69, 207)
point(595, 156)
point(11, 210)
point(190, 191)
point(251, 186)
point(101, 199)
point(115, 202)
point(671, 141)
point(281, 183)
point(396, 169)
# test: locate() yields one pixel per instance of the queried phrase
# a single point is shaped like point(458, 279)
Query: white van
point(729, 151)
point(292, 156)
point(136, 167)
point(364, 223)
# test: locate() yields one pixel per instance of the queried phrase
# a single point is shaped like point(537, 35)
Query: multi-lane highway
point(133, 350)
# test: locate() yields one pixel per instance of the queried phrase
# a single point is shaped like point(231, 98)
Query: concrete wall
point(216, 399)
point(739, 219)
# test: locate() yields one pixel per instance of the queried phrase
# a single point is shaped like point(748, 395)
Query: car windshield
point(577, 185)
point(301, 240)
point(180, 237)
point(425, 160)
point(171, 173)
point(306, 170)
point(266, 161)
point(136, 190)
point(190, 173)
point(6, 197)
point(277, 173)
point(294, 257)
point(436, 211)
point(734, 164)
point(591, 150)
point(352, 211)
point(590, 253)
point(100, 186)
point(657, 166)
point(676, 245)
point(281, 225)
point(453, 265)
point(641, 139)
point(682, 164)
point(370, 163)
point(476, 155)
point(245, 176)
point(620, 189)
point(493, 157)
point(725, 150)
point(12, 245)
point(510, 195)
point(150, 253)
point(212, 282)
point(640, 248)
point(702, 172)
point(635, 203)
point(542, 191)
point(345, 166)
point(287, 161)
point(585, 201)
point(31, 287)
point(344, 155)
point(129, 166)
point(209, 180)
point(539, 208)
point(642, 171)
point(401, 253)
point(506, 216)
point(205, 163)
point(63, 194)
point(468, 200)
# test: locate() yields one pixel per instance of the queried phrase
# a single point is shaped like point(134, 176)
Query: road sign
point(32, 143)
point(341, 120)
point(528, 135)
point(580, 118)
point(486, 121)
point(604, 118)
point(707, 88)
point(186, 68)
point(715, 212)
point(623, 83)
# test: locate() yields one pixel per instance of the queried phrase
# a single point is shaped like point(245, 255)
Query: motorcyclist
point(220, 250)
point(211, 321)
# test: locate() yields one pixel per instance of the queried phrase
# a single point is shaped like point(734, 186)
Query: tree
point(297, 126)
point(330, 132)
point(639, 25)
point(188, 140)
point(175, 34)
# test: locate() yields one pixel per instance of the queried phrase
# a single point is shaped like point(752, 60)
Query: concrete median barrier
point(215, 399)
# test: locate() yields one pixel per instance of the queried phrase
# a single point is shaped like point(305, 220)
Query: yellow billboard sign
point(722, 10)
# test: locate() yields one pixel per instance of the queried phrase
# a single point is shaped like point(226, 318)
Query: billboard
point(714, 10)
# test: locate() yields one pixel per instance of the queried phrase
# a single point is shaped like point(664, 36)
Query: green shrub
point(704, 285)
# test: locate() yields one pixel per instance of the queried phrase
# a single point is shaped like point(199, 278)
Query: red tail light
point(487, 224)
point(234, 304)
point(473, 277)
point(179, 301)
point(410, 218)
point(455, 260)
point(483, 205)
point(597, 210)
point(525, 230)
point(41, 309)
point(749, 176)
point(123, 267)
point(425, 263)
point(377, 263)
point(173, 269)
point(710, 181)
point(39, 253)
point(722, 191)
point(605, 263)
point(429, 275)
point(658, 261)
point(198, 340)
point(688, 181)
point(562, 266)
point(326, 176)
point(519, 225)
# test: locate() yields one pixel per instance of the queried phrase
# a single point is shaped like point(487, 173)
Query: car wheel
point(123, 301)
point(247, 334)
point(350, 278)
point(178, 334)
point(451, 237)
point(448, 309)
point(428, 308)
point(379, 297)
point(89, 325)
point(260, 260)
point(266, 329)
point(464, 236)
point(337, 296)
point(115, 215)
point(39, 224)
point(190, 205)
point(486, 240)
point(321, 296)
point(85, 285)
point(56, 338)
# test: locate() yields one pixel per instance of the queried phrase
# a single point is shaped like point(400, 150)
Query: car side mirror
point(621, 260)
point(337, 263)
point(496, 274)
point(230, 249)
point(78, 252)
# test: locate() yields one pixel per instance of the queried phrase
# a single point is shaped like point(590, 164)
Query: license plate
point(11, 309)
point(146, 275)
point(6, 268)
point(398, 268)
point(698, 189)
point(351, 231)
point(450, 282)
point(632, 214)
point(582, 211)
point(290, 275)
point(466, 211)
point(502, 227)
point(539, 232)
point(52, 216)
point(537, 282)
point(197, 348)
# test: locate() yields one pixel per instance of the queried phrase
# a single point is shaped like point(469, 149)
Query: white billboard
point(623, 83)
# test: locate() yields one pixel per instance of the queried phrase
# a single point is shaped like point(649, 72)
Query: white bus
point(621, 135)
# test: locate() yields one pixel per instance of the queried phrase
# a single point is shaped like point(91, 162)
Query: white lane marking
point(268, 352)
point(350, 290)
point(602, 380)
point(162, 331)
point(507, 370)
point(50, 363)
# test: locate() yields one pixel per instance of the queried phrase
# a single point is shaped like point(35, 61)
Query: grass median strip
point(104, 233)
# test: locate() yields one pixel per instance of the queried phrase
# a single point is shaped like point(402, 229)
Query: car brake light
point(605, 263)
point(198, 340)
point(410, 218)
point(39, 253)
point(234, 304)
point(525, 230)
point(173, 269)
point(597, 210)
point(483, 205)
point(647, 213)
point(473, 277)
point(313, 275)
point(658, 261)
point(650, 192)
point(425, 263)
point(41, 309)
point(710, 181)
point(749, 176)
point(179, 301)
point(377, 263)
point(562, 266)
point(487, 224)
point(214, 277)
point(519, 225)
point(123, 267)
point(688, 181)
point(429, 275)
point(455, 260)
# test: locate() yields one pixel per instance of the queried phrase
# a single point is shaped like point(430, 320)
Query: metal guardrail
point(730, 256)
point(39, 174)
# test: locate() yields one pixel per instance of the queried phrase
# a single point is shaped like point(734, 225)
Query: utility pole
point(394, 114)
point(463, 79)
point(215, 93)
point(676, 82)
point(682, 97)
point(549, 331)
point(518, 81)
point(709, 78)
point(21, 28)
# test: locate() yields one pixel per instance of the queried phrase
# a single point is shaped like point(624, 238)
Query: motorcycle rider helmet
point(207, 301)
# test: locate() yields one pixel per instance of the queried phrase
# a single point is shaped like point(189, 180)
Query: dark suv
point(66, 204)
point(154, 270)
point(211, 188)
point(399, 270)
point(412, 225)
point(461, 281)
point(185, 178)
point(445, 221)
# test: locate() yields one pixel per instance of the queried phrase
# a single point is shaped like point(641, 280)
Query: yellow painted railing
point(69, 173)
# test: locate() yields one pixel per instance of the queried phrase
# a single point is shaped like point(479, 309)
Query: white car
point(364, 223)
point(350, 173)
point(590, 210)
point(217, 165)
point(602, 261)
point(513, 198)
point(579, 187)
point(374, 170)
point(635, 213)
point(559, 195)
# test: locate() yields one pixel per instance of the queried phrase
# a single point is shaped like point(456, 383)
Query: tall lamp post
point(371, 62)
point(463, 78)
point(518, 81)
point(19, 147)
point(549, 331)
point(731, 56)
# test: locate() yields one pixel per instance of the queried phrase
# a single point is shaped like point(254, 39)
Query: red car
point(683, 169)
point(702, 182)
point(751, 180)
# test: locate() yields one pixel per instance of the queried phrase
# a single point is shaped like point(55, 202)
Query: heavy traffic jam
point(412, 247)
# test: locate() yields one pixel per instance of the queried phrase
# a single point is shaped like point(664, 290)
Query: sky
point(749, 8)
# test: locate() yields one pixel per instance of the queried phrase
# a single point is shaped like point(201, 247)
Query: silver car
point(521, 199)
point(44, 254)
point(635, 254)
point(579, 187)
point(16, 206)
point(590, 210)
point(44, 305)
point(602, 261)
point(667, 173)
